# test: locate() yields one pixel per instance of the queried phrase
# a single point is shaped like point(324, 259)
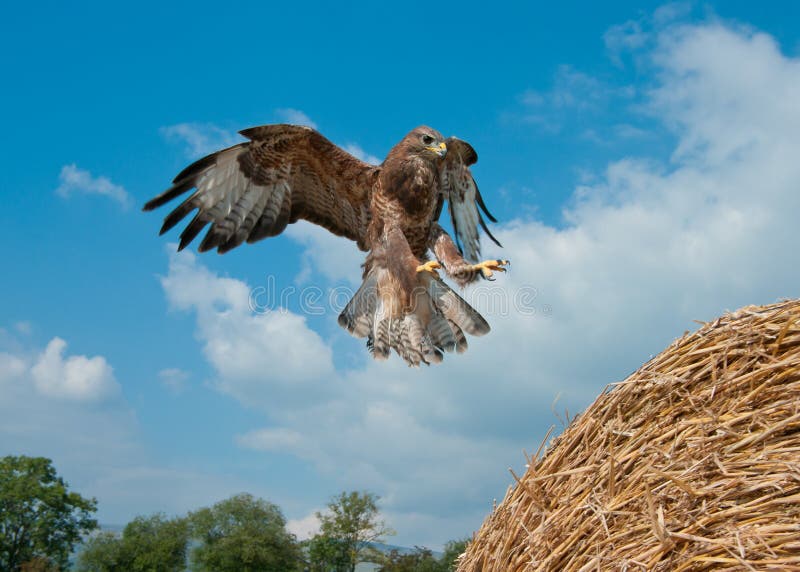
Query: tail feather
point(461, 339)
point(359, 314)
point(434, 324)
point(380, 338)
point(414, 344)
point(441, 333)
point(456, 309)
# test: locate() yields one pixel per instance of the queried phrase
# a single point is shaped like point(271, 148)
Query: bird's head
point(427, 143)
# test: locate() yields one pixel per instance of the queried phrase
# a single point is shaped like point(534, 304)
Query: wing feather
point(252, 190)
point(464, 198)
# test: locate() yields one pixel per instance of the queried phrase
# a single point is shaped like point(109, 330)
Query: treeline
point(41, 522)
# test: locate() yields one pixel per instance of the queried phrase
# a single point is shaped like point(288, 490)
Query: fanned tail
point(434, 323)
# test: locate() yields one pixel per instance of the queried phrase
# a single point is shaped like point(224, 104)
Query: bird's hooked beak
point(440, 149)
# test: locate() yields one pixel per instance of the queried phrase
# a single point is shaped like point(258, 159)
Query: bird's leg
point(429, 266)
point(457, 268)
point(402, 263)
point(488, 267)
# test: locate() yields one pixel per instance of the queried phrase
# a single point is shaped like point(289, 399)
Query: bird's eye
point(427, 139)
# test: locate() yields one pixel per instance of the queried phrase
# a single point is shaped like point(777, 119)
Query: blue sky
point(641, 158)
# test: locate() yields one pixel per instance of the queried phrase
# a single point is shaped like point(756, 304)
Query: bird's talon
point(429, 266)
point(489, 267)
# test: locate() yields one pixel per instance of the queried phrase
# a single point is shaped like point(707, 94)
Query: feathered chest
point(413, 185)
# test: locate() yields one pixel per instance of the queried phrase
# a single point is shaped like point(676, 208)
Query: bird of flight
point(285, 173)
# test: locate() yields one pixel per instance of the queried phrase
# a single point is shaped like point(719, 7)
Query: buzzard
point(285, 173)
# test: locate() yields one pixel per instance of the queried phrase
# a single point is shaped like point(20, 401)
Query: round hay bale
point(691, 463)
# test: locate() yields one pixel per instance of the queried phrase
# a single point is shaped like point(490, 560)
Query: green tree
point(40, 520)
point(327, 554)
point(243, 534)
point(147, 544)
point(101, 553)
point(352, 519)
point(421, 560)
point(452, 550)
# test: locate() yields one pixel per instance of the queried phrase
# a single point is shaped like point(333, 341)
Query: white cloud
point(256, 356)
point(624, 38)
point(200, 138)
point(53, 406)
point(77, 377)
point(576, 91)
point(378, 428)
point(295, 116)
point(74, 180)
point(336, 258)
point(573, 96)
point(270, 439)
point(95, 445)
point(356, 151)
point(304, 528)
point(11, 366)
point(671, 12)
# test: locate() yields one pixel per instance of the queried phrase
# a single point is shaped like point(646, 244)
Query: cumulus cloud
point(56, 405)
point(96, 444)
point(381, 427)
point(75, 180)
point(255, 355)
point(333, 257)
point(77, 377)
point(646, 247)
point(200, 139)
point(11, 366)
point(304, 528)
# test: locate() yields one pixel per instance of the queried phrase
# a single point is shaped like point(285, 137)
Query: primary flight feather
point(285, 173)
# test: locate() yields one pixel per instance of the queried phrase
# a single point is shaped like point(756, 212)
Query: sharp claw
point(429, 266)
point(488, 267)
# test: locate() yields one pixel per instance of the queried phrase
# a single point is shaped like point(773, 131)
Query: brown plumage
point(285, 173)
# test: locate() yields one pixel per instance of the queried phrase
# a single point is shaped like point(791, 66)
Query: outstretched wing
point(253, 190)
point(464, 198)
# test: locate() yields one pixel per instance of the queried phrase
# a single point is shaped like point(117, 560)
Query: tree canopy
point(147, 544)
point(352, 520)
point(452, 550)
point(243, 534)
point(423, 560)
point(40, 519)
point(326, 554)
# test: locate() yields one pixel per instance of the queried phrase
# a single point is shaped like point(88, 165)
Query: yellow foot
point(489, 267)
point(429, 266)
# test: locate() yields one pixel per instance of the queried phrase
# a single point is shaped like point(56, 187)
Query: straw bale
point(691, 463)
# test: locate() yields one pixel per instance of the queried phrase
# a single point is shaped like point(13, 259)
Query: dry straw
point(692, 463)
